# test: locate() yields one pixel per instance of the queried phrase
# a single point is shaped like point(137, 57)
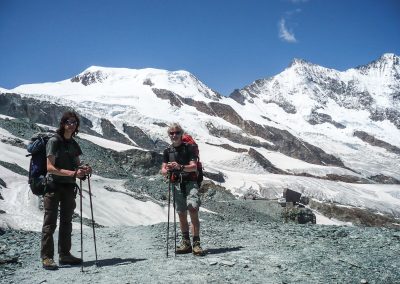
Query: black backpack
point(38, 164)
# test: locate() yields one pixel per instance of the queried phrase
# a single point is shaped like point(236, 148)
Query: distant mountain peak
point(180, 82)
point(94, 68)
point(388, 62)
point(300, 62)
point(303, 67)
point(90, 76)
point(98, 74)
point(389, 59)
point(389, 56)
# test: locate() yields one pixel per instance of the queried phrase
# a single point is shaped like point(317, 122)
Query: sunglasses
point(175, 133)
point(71, 122)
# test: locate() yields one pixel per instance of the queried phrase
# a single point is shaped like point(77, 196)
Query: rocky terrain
point(246, 241)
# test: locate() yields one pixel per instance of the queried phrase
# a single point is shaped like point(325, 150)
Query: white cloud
point(284, 33)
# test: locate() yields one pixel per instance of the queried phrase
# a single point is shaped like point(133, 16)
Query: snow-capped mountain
point(326, 107)
point(332, 135)
point(305, 87)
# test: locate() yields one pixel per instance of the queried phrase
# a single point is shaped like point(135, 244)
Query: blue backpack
point(38, 164)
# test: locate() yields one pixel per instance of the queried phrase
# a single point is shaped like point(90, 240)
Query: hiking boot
point(69, 259)
point(197, 250)
point(49, 264)
point(185, 247)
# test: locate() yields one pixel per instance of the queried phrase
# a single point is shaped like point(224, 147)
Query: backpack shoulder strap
point(187, 147)
point(171, 154)
point(58, 137)
point(60, 141)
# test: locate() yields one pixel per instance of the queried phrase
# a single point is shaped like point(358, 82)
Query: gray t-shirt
point(67, 153)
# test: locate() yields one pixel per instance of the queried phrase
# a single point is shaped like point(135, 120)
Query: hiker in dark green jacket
point(63, 167)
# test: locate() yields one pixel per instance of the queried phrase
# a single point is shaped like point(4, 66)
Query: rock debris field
point(246, 242)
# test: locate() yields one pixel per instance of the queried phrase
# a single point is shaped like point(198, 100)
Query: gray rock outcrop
point(142, 139)
point(36, 111)
point(263, 162)
point(111, 133)
point(364, 136)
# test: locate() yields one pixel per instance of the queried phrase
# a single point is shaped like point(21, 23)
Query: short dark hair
point(67, 115)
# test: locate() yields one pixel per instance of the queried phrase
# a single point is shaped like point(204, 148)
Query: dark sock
point(196, 238)
point(185, 235)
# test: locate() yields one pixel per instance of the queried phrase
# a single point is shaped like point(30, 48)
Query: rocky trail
point(246, 241)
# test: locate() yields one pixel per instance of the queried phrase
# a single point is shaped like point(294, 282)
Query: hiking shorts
point(187, 196)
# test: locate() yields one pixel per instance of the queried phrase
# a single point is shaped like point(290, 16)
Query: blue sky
point(227, 44)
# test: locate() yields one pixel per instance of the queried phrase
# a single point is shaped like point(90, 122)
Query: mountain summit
point(107, 83)
point(388, 65)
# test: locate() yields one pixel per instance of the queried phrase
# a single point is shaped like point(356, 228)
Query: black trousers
point(62, 195)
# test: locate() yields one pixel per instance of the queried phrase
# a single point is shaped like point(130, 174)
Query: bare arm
point(192, 167)
point(164, 169)
point(86, 167)
point(51, 168)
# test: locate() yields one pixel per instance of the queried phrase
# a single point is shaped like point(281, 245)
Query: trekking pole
point(91, 209)
point(174, 189)
point(80, 203)
point(169, 202)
